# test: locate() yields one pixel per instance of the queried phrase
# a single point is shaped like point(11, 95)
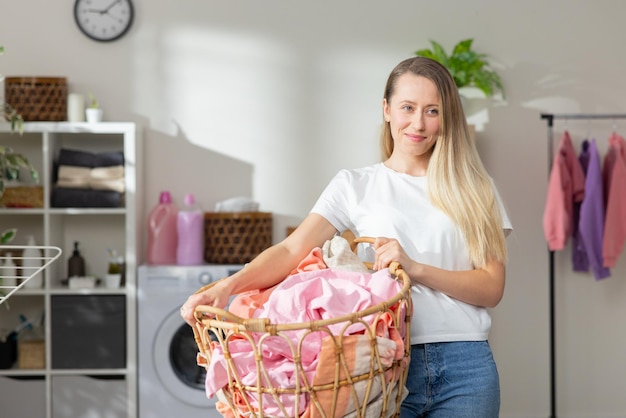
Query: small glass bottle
point(76, 263)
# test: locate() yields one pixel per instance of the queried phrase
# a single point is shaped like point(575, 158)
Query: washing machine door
point(174, 356)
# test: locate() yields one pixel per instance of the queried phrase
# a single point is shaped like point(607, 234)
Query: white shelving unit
point(60, 391)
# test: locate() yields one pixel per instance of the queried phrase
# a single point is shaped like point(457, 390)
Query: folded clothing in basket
point(306, 296)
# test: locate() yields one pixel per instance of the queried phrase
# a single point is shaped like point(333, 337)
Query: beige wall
point(268, 99)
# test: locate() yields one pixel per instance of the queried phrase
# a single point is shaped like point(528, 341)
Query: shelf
point(96, 229)
point(16, 211)
point(73, 127)
point(87, 211)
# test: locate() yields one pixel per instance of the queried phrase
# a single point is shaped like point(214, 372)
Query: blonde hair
point(458, 182)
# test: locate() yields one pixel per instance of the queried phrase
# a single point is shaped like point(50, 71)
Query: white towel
point(338, 254)
point(99, 178)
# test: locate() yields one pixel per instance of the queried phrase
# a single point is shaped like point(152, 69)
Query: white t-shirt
point(376, 201)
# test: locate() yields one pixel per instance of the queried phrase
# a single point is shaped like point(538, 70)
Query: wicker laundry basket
point(359, 379)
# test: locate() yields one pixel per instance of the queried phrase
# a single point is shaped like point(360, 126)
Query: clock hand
point(105, 11)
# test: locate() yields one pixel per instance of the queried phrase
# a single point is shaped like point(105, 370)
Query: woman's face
point(413, 115)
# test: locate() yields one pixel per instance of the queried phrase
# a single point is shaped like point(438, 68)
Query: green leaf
point(439, 52)
point(426, 53)
point(34, 174)
point(463, 46)
point(8, 235)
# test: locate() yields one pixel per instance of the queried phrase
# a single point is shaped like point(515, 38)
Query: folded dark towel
point(63, 197)
point(76, 158)
point(87, 159)
point(109, 159)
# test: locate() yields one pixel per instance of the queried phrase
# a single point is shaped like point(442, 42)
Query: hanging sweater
point(615, 222)
point(566, 185)
point(591, 223)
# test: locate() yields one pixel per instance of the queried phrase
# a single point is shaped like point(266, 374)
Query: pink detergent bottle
point(190, 227)
point(162, 237)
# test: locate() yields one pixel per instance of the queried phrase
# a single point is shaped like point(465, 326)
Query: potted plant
point(11, 164)
point(467, 67)
point(93, 111)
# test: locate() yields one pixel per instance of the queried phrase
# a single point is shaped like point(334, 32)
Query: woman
point(434, 209)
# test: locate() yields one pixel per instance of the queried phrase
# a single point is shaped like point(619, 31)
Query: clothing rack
point(550, 118)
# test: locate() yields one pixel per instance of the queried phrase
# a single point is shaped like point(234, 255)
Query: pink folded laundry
point(301, 298)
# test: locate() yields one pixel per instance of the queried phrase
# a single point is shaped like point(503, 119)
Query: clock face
point(103, 20)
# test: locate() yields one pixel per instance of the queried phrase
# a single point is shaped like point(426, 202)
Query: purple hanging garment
point(591, 222)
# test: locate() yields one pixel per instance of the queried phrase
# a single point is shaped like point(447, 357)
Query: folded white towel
point(99, 178)
point(107, 184)
point(107, 173)
point(73, 173)
point(76, 183)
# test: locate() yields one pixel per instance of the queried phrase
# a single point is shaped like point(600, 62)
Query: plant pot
point(112, 281)
point(94, 115)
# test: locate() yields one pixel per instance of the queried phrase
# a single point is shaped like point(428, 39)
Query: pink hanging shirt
point(615, 221)
point(565, 186)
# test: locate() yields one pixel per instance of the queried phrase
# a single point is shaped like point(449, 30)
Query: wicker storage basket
point(31, 354)
point(22, 197)
point(236, 237)
point(37, 98)
point(376, 389)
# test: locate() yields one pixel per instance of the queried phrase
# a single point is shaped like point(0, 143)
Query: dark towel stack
point(88, 180)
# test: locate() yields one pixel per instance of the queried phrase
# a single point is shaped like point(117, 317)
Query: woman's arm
point(481, 286)
point(267, 269)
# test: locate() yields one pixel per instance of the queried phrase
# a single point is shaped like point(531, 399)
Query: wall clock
point(104, 20)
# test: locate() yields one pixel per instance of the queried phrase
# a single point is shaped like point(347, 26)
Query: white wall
point(269, 99)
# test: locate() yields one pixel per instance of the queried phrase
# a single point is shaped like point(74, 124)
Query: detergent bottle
point(190, 229)
point(162, 235)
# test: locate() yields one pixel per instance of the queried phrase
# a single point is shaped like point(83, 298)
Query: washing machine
point(170, 383)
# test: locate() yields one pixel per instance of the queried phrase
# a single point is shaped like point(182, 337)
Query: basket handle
point(356, 241)
point(250, 324)
point(260, 324)
point(355, 244)
point(394, 266)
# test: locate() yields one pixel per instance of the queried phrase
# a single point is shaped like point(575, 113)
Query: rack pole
point(549, 117)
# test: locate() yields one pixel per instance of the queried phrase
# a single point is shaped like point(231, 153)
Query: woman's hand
point(482, 286)
point(389, 250)
point(217, 296)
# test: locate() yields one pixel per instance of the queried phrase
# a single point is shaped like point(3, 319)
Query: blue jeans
point(455, 379)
